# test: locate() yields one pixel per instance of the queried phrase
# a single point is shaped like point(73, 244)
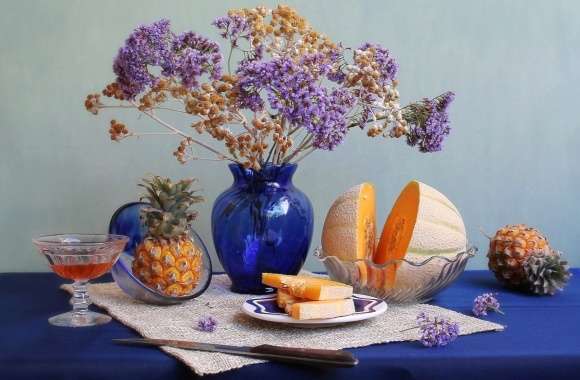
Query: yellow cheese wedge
point(311, 288)
point(422, 222)
point(349, 227)
point(285, 300)
point(322, 309)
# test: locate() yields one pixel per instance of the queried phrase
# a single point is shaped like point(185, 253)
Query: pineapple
point(509, 249)
point(168, 260)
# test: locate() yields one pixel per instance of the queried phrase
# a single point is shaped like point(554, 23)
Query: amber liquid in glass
point(81, 271)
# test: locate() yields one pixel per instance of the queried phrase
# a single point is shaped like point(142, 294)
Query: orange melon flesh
point(349, 227)
point(311, 288)
point(376, 277)
point(398, 231)
point(366, 222)
point(363, 275)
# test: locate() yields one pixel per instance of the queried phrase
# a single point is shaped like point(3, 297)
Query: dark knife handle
point(313, 356)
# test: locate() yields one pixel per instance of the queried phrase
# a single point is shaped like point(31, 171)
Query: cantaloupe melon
point(349, 227)
point(422, 223)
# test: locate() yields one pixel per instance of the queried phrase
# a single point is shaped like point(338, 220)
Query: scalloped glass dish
point(417, 278)
point(126, 220)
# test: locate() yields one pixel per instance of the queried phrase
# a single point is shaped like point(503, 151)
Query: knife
point(309, 356)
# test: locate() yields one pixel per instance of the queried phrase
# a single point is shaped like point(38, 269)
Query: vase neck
point(269, 175)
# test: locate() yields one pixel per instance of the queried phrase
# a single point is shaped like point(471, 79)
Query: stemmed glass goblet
point(81, 258)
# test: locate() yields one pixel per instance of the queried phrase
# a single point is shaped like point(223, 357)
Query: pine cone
point(546, 274)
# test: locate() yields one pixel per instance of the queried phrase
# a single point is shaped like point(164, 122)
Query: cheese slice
point(322, 309)
point(311, 288)
point(286, 300)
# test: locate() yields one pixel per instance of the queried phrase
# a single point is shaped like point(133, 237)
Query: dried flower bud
point(117, 130)
point(92, 103)
point(113, 90)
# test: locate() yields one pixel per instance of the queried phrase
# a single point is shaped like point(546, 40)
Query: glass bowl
point(417, 278)
point(81, 258)
point(126, 220)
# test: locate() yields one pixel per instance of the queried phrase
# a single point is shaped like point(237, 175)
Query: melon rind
point(345, 234)
point(439, 228)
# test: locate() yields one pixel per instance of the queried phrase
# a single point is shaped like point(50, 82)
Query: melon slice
point(422, 223)
point(349, 227)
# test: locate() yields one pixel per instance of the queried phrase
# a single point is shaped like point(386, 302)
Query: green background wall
point(513, 154)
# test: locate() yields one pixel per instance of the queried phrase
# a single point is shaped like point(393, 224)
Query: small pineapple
point(509, 249)
point(168, 260)
point(520, 257)
point(546, 274)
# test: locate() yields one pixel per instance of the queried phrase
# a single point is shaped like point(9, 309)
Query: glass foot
point(76, 319)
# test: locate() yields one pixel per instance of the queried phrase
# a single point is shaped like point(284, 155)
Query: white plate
point(266, 309)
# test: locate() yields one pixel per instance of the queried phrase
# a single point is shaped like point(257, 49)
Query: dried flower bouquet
point(292, 92)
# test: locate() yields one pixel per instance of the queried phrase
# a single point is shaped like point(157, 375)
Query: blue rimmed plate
point(266, 309)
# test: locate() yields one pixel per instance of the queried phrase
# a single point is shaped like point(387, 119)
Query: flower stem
point(305, 155)
point(230, 60)
point(357, 124)
point(184, 135)
point(498, 310)
point(410, 328)
point(304, 144)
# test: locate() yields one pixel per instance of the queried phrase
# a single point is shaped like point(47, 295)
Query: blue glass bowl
point(126, 221)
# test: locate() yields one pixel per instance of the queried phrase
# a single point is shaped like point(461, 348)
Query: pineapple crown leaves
point(547, 274)
point(170, 213)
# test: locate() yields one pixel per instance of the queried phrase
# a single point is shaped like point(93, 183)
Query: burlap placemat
point(180, 322)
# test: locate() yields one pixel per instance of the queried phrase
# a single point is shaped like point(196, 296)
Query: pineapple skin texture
point(170, 266)
point(508, 250)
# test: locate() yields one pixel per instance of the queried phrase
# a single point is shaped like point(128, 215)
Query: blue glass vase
point(262, 223)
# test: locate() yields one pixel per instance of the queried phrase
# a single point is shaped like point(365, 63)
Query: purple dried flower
point(293, 90)
point(207, 324)
point(329, 126)
point(387, 66)
point(188, 56)
point(436, 332)
point(485, 302)
point(195, 55)
point(148, 45)
point(324, 64)
point(429, 122)
point(233, 28)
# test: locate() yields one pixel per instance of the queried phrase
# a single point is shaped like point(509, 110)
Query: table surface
point(541, 341)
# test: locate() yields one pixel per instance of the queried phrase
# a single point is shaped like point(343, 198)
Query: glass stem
point(80, 299)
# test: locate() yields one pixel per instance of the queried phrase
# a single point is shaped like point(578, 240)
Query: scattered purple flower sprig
point(207, 324)
point(485, 302)
point(435, 331)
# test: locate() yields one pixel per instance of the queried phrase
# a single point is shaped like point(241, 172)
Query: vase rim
point(267, 165)
point(269, 173)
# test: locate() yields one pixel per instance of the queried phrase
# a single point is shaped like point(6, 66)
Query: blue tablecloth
point(542, 341)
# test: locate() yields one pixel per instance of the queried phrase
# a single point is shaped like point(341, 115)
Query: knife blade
point(308, 356)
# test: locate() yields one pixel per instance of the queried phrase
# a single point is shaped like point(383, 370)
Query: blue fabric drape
point(541, 341)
